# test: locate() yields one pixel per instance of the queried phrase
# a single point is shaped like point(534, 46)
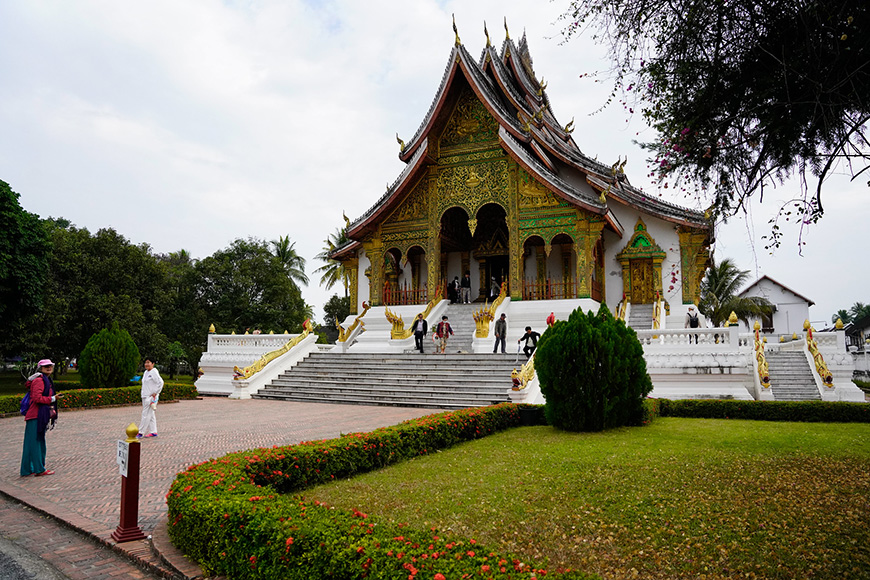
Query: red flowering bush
point(247, 525)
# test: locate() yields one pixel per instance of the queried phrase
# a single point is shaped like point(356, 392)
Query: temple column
point(584, 289)
point(351, 268)
point(566, 271)
point(514, 244)
point(433, 263)
point(376, 283)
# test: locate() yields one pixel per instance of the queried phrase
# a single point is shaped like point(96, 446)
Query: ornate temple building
point(495, 185)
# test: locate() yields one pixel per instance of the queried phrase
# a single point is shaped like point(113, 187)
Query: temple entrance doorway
point(642, 281)
point(489, 246)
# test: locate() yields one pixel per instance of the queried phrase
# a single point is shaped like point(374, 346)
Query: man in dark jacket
point(466, 288)
point(420, 328)
point(500, 333)
point(530, 338)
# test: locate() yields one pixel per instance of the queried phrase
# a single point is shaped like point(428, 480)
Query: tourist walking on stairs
point(442, 332)
point(152, 385)
point(420, 328)
point(41, 412)
point(692, 321)
point(466, 288)
point(530, 338)
point(500, 334)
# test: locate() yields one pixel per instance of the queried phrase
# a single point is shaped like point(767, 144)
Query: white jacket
point(152, 384)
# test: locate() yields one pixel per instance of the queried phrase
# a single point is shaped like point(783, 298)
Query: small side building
point(790, 309)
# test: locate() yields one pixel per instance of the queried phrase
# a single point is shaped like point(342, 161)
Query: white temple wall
point(664, 234)
point(613, 244)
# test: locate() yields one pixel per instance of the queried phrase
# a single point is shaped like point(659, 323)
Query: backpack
point(693, 321)
point(25, 402)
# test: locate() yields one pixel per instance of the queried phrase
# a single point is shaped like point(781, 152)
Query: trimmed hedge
point(235, 515)
point(87, 398)
point(801, 411)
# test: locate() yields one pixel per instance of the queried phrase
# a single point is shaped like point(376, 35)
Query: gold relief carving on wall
point(473, 156)
point(414, 207)
point(490, 182)
point(469, 124)
point(533, 194)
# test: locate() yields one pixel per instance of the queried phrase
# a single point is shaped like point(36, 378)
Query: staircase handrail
point(398, 332)
point(818, 359)
point(347, 334)
point(622, 309)
point(522, 378)
point(761, 366)
point(486, 314)
point(260, 364)
point(657, 313)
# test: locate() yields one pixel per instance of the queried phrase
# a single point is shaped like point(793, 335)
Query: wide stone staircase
point(640, 316)
point(461, 319)
point(791, 378)
point(449, 381)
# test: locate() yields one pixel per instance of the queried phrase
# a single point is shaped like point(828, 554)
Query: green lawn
point(681, 498)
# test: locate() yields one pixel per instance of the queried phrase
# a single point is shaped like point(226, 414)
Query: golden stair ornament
point(813, 348)
point(260, 364)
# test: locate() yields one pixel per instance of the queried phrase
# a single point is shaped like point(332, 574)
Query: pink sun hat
point(45, 363)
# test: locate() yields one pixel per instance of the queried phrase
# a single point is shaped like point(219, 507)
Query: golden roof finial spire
point(486, 32)
point(456, 31)
point(507, 34)
point(401, 144)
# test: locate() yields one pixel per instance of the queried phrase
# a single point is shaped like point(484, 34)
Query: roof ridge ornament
point(507, 34)
point(486, 32)
point(569, 128)
point(401, 144)
point(541, 86)
point(456, 31)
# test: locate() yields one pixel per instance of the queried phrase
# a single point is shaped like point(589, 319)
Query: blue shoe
point(139, 436)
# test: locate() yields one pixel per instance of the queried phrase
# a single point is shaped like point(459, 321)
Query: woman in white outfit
point(152, 384)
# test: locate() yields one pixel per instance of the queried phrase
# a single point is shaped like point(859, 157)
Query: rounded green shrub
point(592, 373)
point(109, 360)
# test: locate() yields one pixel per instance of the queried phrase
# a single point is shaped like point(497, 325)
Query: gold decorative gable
point(470, 125)
point(415, 207)
point(641, 245)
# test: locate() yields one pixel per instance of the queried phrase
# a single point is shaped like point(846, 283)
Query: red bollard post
point(128, 462)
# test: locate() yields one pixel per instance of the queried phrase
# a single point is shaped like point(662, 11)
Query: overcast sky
point(186, 125)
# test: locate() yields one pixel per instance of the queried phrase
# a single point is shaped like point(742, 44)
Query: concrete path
point(85, 490)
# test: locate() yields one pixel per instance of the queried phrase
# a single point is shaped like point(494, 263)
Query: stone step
point(450, 381)
point(410, 381)
point(391, 391)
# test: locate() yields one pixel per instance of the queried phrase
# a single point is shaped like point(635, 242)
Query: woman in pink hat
point(41, 412)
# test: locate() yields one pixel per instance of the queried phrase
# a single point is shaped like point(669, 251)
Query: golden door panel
point(642, 284)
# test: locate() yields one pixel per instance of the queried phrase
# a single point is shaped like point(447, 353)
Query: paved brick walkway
point(86, 486)
point(69, 553)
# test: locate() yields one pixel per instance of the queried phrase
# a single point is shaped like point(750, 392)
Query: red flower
point(440, 576)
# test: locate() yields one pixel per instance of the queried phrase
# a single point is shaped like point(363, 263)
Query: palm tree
point(719, 295)
point(858, 310)
point(333, 270)
point(842, 315)
point(293, 263)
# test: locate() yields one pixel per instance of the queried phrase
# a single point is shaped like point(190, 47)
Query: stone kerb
point(244, 388)
point(224, 351)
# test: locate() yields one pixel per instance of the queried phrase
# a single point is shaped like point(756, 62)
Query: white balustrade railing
point(718, 339)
